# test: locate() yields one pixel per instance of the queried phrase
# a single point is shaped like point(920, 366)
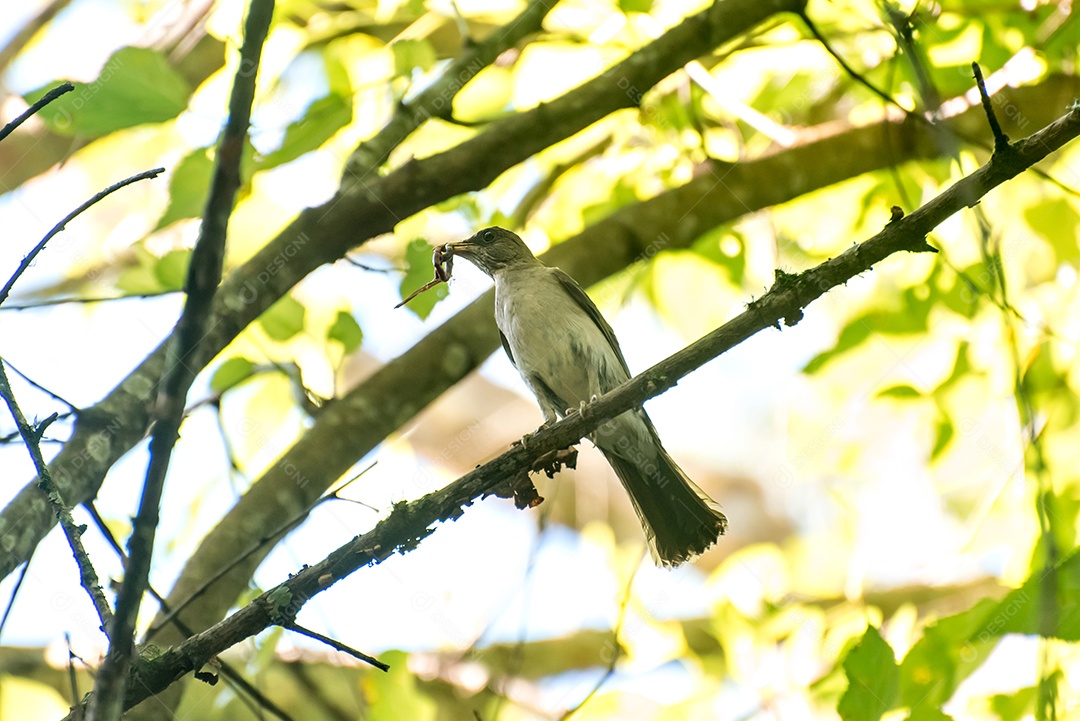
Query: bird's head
point(494, 249)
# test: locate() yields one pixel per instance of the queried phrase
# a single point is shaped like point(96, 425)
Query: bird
point(567, 354)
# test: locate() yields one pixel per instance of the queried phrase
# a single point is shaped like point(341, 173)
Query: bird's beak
point(462, 247)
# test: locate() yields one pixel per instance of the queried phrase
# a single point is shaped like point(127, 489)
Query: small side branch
point(1001, 140)
point(31, 436)
point(26, 262)
point(45, 100)
point(336, 645)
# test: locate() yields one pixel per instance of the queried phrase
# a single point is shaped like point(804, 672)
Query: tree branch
point(29, 259)
point(204, 275)
point(410, 523)
point(357, 422)
point(31, 437)
point(41, 103)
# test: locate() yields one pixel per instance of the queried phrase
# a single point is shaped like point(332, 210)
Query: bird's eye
point(488, 236)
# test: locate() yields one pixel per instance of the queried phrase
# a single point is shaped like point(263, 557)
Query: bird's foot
point(525, 439)
point(581, 407)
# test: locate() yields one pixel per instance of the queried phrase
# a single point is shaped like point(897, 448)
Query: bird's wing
point(506, 347)
point(582, 299)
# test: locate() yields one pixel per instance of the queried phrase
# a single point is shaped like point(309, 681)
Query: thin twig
point(43, 389)
point(31, 438)
point(15, 592)
point(1001, 140)
point(41, 103)
point(314, 635)
point(72, 680)
point(204, 276)
point(49, 302)
point(67, 219)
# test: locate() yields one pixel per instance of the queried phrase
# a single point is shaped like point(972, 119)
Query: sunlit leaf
point(346, 331)
point(1014, 706)
point(944, 430)
point(395, 695)
point(322, 119)
point(412, 54)
point(189, 186)
point(635, 6)
point(873, 679)
point(233, 371)
point(1057, 222)
point(171, 269)
point(902, 391)
point(485, 96)
point(943, 657)
point(135, 86)
point(284, 319)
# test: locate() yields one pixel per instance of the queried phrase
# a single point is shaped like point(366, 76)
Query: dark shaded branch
point(41, 103)
point(335, 644)
point(204, 275)
point(1001, 140)
point(29, 259)
point(31, 436)
point(410, 523)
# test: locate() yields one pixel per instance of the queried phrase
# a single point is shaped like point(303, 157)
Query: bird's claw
point(525, 439)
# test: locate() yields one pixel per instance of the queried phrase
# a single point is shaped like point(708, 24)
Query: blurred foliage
point(922, 450)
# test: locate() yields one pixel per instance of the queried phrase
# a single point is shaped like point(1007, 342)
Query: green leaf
point(1056, 221)
point(942, 658)
point(1015, 706)
point(171, 269)
point(396, 695)
point(231, 373)
point(283, 319)
point(136, 86)
point(873, 680)
point(635, 6)
point(346, 331)
point(419, 270)
point(912, 316)
point(320, 121)
point(902, 391)
point(188, 187)
point(922, 713)
point(724, 247)
point(1047, 604)
point(944, 431)
point(409, 54)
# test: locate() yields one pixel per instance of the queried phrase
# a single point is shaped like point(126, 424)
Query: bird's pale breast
point(552, 337)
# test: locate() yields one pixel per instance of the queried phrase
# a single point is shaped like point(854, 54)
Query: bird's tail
point(679, 519)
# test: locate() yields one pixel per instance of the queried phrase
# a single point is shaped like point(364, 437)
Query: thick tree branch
point(366, 208)
point(203, 277)
point(410, 523)
point(357, 422)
